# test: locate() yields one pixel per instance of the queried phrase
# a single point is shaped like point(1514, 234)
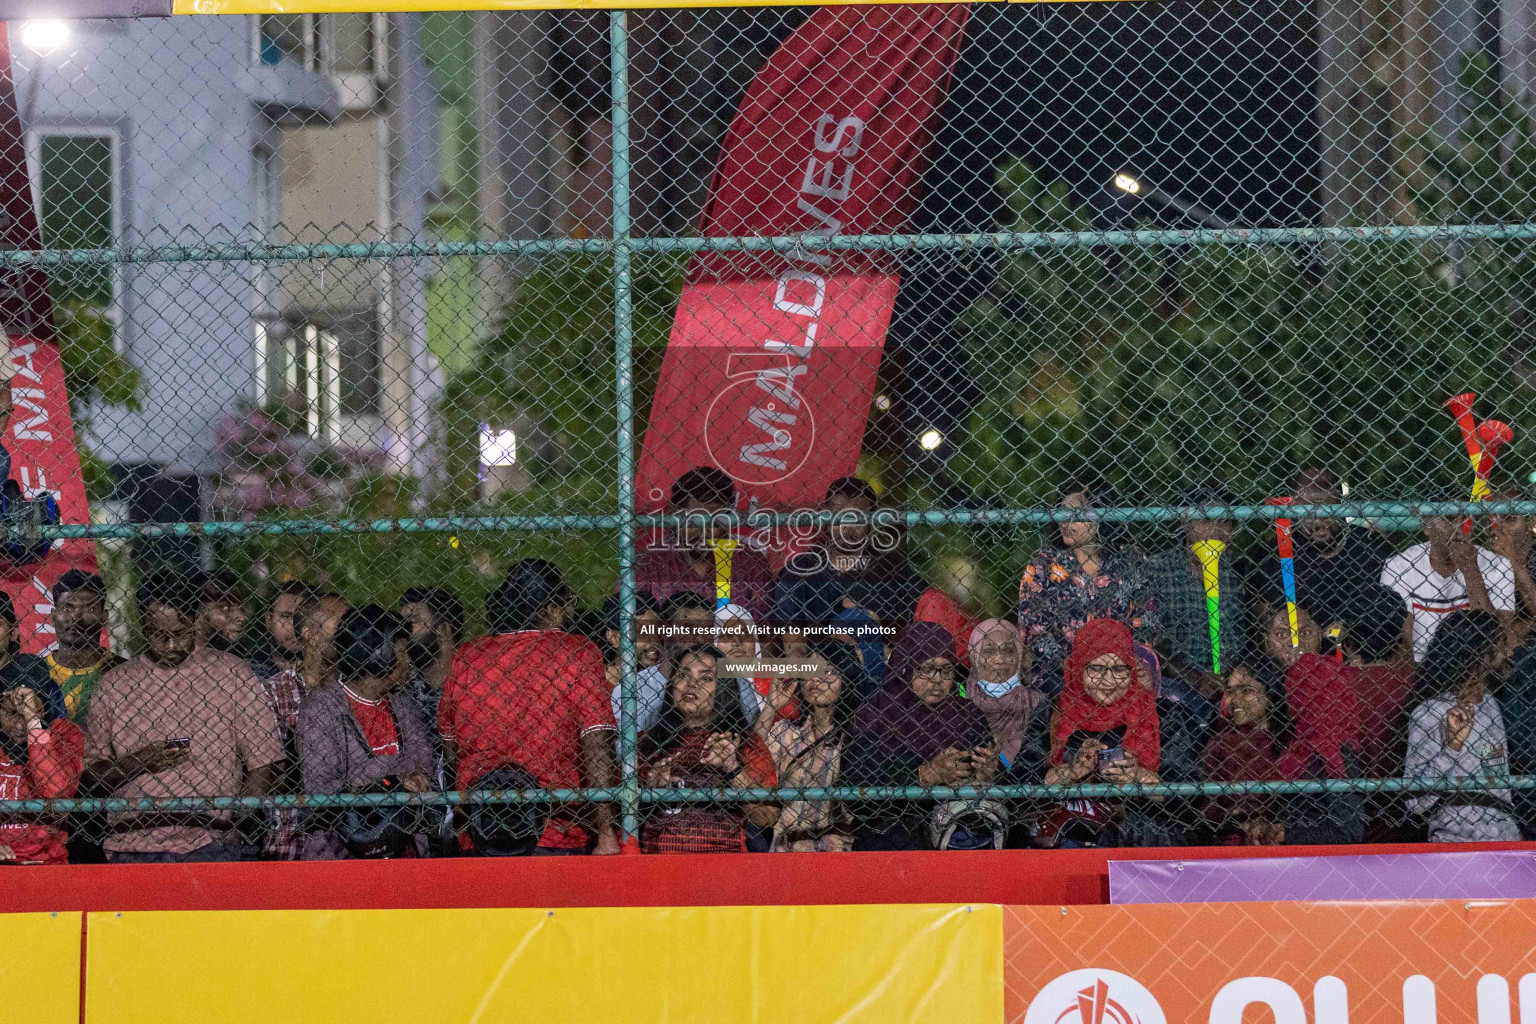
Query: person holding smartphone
point(1098, 698)
point(918, 731)
point(1106, 730)
point(178, 721)
point(41, 755)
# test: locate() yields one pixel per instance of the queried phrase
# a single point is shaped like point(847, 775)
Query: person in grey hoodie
point(1458, 734)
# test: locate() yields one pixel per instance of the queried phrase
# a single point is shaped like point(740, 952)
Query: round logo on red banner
point(758, 429)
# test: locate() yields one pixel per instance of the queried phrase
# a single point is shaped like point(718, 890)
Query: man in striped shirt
point(1445, 574)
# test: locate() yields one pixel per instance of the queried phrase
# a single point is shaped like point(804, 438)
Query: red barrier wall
point(1039, 877)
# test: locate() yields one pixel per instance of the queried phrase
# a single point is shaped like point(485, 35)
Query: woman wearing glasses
point(918, 732)
point(1106, 731)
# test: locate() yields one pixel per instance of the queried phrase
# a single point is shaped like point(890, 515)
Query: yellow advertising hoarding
point(40, 972)
point(938, 964)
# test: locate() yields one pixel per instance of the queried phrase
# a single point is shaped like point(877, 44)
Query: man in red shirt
point(535, 696)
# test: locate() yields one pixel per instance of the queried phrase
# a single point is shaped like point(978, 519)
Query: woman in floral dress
point(1088, 577)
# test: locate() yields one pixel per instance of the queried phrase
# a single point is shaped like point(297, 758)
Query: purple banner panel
point(1503, 874)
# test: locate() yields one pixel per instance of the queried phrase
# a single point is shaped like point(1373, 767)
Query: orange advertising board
point(1286, 963)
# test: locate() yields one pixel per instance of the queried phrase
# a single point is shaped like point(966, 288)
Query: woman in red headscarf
point(1101, 709)
point(1105, 730)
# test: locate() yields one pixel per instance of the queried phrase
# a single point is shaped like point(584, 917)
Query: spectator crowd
point(1118, 667)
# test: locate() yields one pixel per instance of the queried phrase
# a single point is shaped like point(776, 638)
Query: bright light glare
point(883, 403)
point(1126, 183)
point(497, 447)
point(44, 36)
point(930, 439)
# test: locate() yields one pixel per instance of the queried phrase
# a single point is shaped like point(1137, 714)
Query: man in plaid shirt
point(1178, 587)
point(315, 622)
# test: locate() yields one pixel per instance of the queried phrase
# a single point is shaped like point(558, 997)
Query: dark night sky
point(1214, 102)
point(1211, 102)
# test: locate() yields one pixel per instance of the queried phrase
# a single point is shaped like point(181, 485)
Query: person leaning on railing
point(534, 697)
point(1457, 734)
point(366, 734)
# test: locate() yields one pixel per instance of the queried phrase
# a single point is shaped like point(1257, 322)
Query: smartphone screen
point(1109, 756)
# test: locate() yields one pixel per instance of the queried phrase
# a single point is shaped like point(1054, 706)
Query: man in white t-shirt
point(1448, 573)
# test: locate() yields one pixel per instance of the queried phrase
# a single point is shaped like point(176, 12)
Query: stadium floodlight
point(930, 439)
point(44, 37)
point(1130, 184)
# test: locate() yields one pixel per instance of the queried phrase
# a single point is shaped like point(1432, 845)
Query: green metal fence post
point(623, 341)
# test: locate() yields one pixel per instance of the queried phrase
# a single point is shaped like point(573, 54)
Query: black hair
point(367, 643)
point(726, 714)
point(704, 485)
point(1113, 536)
point(854, 489)
point(444, 605)
point(1210, 494)
point(179, 591)
point(531, 586)
point(1373, 622)
point(312, 603)
point(1463, 646)
point(8, 613)
point(644, 602)
point(222, 588)
point(685, 600)
point(295, 587)
point(79, 581)
point(1282, 723)
point(844, 660)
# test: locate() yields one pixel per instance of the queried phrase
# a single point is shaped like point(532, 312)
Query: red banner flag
point(771, 365)
point(41, 435)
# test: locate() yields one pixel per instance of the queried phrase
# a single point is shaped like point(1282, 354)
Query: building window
point(75, 179)
point(322, 369)
point(348, 47)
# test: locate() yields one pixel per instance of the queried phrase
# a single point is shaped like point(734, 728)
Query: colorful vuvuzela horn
point(1287, 569)
point(1460, 408)
point(1483, 440)
point(1209, 554)
point(1492, 435)
point(725, 555)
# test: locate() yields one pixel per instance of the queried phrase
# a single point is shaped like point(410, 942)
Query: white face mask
point(1001, 689)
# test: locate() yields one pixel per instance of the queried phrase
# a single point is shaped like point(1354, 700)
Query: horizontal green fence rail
point(954, 517)
point(1304, 787)
point(239, 252)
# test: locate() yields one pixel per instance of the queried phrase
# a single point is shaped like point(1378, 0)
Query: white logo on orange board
point(1094, 995)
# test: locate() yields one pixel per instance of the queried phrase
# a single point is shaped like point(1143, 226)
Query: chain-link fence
point(906, 426)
